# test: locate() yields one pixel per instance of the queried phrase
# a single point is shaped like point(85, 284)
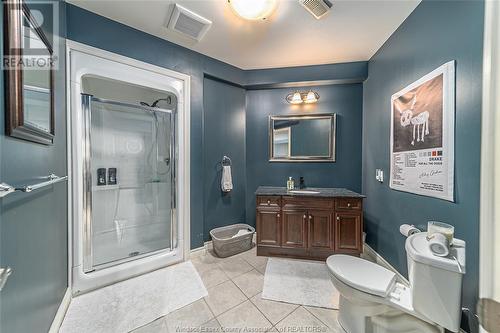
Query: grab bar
point(52, 179)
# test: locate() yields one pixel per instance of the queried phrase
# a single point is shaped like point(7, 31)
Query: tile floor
point(234, 303)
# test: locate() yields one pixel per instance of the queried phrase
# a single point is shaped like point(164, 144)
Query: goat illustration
point(420, 120)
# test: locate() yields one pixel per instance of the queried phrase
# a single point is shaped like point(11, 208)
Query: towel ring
point(226, 161)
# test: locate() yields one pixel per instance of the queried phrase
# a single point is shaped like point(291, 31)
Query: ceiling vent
point(188, 23)
point(318, 8)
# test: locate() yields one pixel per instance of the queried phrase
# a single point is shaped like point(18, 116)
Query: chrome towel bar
point(51, 179)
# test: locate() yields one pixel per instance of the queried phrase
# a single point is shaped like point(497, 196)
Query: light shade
point(311, 97)
point(296, 98)
point(253, 9)
point(299, 97)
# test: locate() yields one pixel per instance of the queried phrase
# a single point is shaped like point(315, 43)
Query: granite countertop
point(323, 192)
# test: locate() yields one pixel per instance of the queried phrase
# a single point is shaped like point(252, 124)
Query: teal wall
point(34, 226)
point(224, 134)
point(435, 33)
point(345, 100)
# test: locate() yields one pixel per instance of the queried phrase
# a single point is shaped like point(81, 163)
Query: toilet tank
point(436, 282)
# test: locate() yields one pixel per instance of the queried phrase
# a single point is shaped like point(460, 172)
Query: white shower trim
point(61, 312)
point(207, 246)
point(184, 168)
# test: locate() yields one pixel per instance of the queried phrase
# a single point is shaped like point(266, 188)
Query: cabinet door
point(348, 232)
point(320, 229)
point(268, 227)
point(294, 232)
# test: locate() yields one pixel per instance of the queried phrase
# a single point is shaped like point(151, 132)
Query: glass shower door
point(130, 183)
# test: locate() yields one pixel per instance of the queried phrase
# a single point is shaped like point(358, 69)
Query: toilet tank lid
point(361, 274)
point(417, 247)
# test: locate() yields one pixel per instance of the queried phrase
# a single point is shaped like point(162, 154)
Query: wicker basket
point(226, 243)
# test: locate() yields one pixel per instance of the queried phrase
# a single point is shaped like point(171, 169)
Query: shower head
point(168, 100)
point(155, 103)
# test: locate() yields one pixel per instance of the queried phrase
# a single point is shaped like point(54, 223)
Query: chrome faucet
point(302, 184)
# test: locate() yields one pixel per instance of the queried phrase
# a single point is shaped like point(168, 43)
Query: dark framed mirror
point(29, 76)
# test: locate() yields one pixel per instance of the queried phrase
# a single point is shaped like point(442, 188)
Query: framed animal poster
point(423, 135)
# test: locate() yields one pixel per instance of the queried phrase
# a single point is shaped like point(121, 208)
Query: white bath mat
point(129, 304)
point(299, 282)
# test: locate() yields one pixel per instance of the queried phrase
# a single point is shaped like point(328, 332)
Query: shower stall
point(129, 140)
point(129, 181)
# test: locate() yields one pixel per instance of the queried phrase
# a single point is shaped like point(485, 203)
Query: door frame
point(184, 134)
point(489, 258)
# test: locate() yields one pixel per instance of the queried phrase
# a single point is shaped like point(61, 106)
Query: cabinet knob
point(304, 216)
point(310, 217)
point(277, 215)
point(349, 204)
point(268, 202)
point(338, 218)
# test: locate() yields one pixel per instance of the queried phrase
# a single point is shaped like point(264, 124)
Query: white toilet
point(373, 301)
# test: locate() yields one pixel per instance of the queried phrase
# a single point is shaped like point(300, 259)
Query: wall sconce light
point(299, 97)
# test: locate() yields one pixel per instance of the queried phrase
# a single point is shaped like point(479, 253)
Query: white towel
point(226, 180)
point(241, 232)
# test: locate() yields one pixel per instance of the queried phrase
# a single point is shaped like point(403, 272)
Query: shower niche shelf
point(105, 188)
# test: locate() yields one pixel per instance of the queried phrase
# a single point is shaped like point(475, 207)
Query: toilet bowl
point(373, 301)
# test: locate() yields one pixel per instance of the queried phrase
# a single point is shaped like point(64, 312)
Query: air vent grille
point(318, 8)
point(188, 26)
point(188, 23)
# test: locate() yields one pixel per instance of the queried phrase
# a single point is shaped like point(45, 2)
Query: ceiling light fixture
point(253, 9)
point(299, 97)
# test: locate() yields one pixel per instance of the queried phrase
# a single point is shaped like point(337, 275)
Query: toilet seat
point(362, 274)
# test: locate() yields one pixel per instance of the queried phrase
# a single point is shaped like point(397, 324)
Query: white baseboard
point(61, 312)
point(207, 246)
point(202, 250)
point(377, 258)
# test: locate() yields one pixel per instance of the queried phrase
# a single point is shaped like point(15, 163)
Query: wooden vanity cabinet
point(348, 233)
point(269, 224)
point(308, 227)
point(293, 229)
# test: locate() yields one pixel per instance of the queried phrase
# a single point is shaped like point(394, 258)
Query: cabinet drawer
point(302, 202)
point(268, 201)
point(348, 203)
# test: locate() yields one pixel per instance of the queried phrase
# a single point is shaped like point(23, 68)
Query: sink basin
point(304, 192)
